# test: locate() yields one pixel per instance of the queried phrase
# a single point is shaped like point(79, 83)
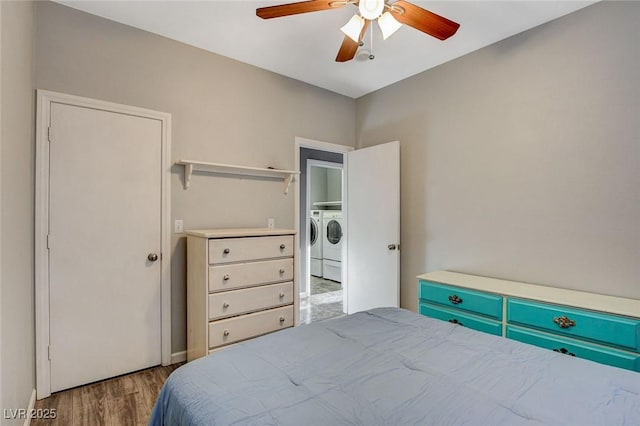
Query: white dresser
point(240, 284)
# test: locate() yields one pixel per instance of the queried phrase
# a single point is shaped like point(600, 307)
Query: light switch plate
point(178, 226)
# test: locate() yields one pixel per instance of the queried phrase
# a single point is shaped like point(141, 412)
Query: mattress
point(391, 366)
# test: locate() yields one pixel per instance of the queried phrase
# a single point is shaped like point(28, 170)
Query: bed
point(390, 366)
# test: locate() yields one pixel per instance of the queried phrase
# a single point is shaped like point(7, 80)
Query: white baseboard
point(30, 408)
point(177, 357)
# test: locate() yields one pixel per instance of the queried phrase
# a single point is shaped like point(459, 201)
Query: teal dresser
point(600, 328)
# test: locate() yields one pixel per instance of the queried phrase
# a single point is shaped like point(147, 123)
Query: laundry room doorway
point(360, 253)
point(319, 189)
point(322, 295)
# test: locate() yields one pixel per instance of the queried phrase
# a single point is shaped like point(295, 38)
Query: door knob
point(392, 246)
point(152, 257)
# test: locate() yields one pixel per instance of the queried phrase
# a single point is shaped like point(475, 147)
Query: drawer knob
point(281, 270)
point(226, 277)
point(225, 332)
point(281, 320)
point(226, 251)
point(282, 246)
point(564, 322)
point(281, 294)
point(225, 305)
point(455, 299)
point(564, 351)
point(455, 321)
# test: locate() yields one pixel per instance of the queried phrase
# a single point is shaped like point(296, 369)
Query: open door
point(373, 227)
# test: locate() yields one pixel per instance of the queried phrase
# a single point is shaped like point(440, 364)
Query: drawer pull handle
point(282, 246)
point(226, 251)
point(281, 320)
point(564, 351)
point(225, 332)
point(564, 322)
point(281, 294)
point(455, 299)
point(225, 305)
point(455, 321)
point(281, 270)
point(226, 277)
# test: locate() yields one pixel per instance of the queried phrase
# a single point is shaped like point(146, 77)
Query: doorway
point(370, 256)
point(101, 228)
point(323, 292)
point(321, 183)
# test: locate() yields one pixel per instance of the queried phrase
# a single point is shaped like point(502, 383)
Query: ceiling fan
point(390, 17)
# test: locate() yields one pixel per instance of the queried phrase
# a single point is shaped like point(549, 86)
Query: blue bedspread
point(393, 367)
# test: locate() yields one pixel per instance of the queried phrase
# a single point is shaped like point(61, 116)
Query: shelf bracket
point(188, 172)
point(287, 183)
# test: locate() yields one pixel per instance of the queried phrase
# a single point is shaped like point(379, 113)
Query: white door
point(104, 234)
point(373, 227)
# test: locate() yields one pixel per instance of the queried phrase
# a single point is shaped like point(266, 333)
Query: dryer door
point(313, 232)
point(334, 231)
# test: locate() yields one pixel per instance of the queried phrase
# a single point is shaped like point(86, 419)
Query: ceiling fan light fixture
point(353, 28)
point(388, 25)
point(371, 9)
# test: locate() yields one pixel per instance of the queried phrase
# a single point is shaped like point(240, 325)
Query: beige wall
point(521, 160)
point(17, 365)
point(223, 111)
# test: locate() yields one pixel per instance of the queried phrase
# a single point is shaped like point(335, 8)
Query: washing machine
point(332, 237)
point(315, 238)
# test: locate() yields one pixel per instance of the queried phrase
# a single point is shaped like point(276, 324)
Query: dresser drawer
point(230, 303)
point(596, 326)
point(235, 329)
point(462, 298)
point(576, 348)
point(226, 250)
point(458, 317)
point(237, 275)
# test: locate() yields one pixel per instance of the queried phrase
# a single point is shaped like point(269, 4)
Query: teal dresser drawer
point(458, 317)
point(461, 298)
point(580, 323)
point(601, 354)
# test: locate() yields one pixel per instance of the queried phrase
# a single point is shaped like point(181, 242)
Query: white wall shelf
point(232, 169)
point(327, 203)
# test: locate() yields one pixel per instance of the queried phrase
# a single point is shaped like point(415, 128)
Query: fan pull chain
point(371, 55)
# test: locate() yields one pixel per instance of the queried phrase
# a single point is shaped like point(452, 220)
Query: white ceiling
point(304, 46)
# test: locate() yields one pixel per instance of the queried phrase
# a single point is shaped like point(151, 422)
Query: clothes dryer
point(332, 237)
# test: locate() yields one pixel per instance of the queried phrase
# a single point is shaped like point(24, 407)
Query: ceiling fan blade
point(423, 20)
point(349, 47)
point(296, 8)
point(347, 50)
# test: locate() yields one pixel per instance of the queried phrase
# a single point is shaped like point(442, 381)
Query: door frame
point(319, 146)
point(43, 116)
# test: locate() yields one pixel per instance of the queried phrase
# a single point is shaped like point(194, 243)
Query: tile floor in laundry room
point(325, 301)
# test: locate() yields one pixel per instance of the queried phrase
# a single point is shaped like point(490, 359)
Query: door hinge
point(49, 353)
point(48, 242)
point(49, 133)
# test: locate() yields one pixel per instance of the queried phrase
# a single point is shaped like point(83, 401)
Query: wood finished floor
point(125, 400)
